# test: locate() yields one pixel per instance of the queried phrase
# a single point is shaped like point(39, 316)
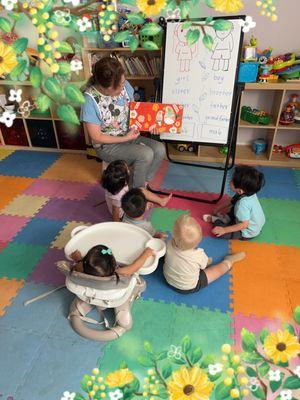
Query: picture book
point(164, 118)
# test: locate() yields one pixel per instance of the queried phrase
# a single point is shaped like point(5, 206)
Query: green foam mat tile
point(163, 218)
point(164, 325)
point(282, 222)
point(18, 260)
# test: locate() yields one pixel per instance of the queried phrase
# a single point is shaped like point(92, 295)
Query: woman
point(106, 114)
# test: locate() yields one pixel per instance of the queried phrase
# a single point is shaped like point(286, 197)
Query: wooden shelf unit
point(271, 132)
point(49, 135)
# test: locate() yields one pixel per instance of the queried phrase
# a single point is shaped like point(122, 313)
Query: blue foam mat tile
point(18, 351)
point(192, 179)
point(40, 231)
point(51, 376)
point(37, 316)
point(214, 296)
point(29, 164)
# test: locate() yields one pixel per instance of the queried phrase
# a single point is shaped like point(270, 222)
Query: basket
point(248, 72)
point(157, 39)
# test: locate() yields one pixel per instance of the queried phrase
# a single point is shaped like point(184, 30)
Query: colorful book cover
point(165, 118)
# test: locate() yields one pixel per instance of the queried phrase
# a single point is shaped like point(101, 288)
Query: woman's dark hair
point(106, 72)
point(115, 177)
point(99, 263)
point(134, 203)
point(249, 179)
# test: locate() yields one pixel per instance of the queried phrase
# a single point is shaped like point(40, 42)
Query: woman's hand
point(154, 131)
point(132, 134)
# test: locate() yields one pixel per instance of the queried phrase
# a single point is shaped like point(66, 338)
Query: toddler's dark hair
point(106, 72)
point(98, 264)
point(115, 177)
point(249, 179)
point(134, 203)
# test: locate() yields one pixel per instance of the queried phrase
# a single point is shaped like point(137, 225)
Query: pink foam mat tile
point(10, 226)
point(46, 272)
point(196, 209)
point(60, 189)
point(157, 181)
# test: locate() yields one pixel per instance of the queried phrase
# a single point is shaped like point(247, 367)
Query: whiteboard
point(203, 81)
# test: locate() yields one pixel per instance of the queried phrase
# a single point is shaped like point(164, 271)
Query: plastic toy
point(287, 116)
point(293, 151)
point(280, 63)
point(223, 150)
point(186, 147)
point(294, 103)
point(255, 116)
point(277, 148)
point(259, 146)
point(127, 243)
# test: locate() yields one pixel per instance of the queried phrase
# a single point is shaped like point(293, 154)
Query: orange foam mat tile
point(289, 257)
point(8, 290)
point(74, 168)
point(11, 186)
point(258, 285)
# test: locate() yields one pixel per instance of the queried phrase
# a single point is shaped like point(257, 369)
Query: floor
point(43, 196)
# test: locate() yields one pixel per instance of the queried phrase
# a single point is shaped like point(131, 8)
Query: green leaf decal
point(133, 43)
point(192, 36)
point(130, 2)
point(248, 340)
point(5, 25)
point(122, 365)
point(148, 347)
point(275, 385)
point(78, 396)
point(67, 113)
point(209, 3)
point(209, 19)
point(209, 359)
point(251, 358)
point(65, 48)
point(222, 25)
point(196, 355)
point(19, 69)
point(83, 384)
point(184, 9)
point(259, 393)
point(208, 41)
point(122, 36)
point(166, 371)
point(150, 29)
point(44, 102)
point(73, 94)
point(162, 355)
point(64, 68)
point(263, 369)
point(20, 45)
point(36, 76)
point(251, 372)
point(149, 45)
point(186, 344)
point(263, 334)
point(52, 86)
point(297, 315)
point(135, 18)
point(290, 328)
point(186, 24)
point(292, 382)
point(222, 391)
point(145, 361)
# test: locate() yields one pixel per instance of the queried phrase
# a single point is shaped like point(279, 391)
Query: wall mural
point(53, 66)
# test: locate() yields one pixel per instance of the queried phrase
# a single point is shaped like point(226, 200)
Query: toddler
point(99, 261)
point(186, 266)
point(115, 181)
point(245, 218)
point(134, 204)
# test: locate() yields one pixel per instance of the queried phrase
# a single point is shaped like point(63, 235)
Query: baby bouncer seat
point(126, 242)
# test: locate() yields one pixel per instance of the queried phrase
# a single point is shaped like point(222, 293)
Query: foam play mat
point(237, 338)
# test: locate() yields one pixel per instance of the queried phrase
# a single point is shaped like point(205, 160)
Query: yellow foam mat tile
point(65, 235)
point(258, 284)
point(5, 153)
point(25, 205)
point(8, 290)
point(74, 168)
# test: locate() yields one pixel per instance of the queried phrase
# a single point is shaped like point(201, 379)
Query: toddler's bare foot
point(165, 200)
point(230, 259)
point(207, 217)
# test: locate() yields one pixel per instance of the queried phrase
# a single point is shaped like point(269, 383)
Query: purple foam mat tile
point(75, 211)
point(59, 189)
point(96, 195)
point(46, 272)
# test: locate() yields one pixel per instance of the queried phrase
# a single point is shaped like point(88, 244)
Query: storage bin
point(248, 72)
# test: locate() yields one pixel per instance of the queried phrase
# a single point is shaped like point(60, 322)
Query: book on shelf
point(138, 65)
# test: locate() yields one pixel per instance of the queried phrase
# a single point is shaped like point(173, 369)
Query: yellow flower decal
point(281, 346)
point(119, 378)
point(155, 107)
point(189, 384)
point(8, 59)
point(228, 6)
point(151, 7)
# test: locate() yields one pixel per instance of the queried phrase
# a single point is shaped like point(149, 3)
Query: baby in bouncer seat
point(97, 280)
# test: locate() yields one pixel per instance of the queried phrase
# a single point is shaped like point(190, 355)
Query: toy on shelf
point(259, 146)
point(294, 103)
point(293, 151)
point(297, 117)
point(250, 50)
point(255, 116)
point(186, 147)
point(287, 116)
point(223, 150)
point(280, 63)
point(277, 148)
